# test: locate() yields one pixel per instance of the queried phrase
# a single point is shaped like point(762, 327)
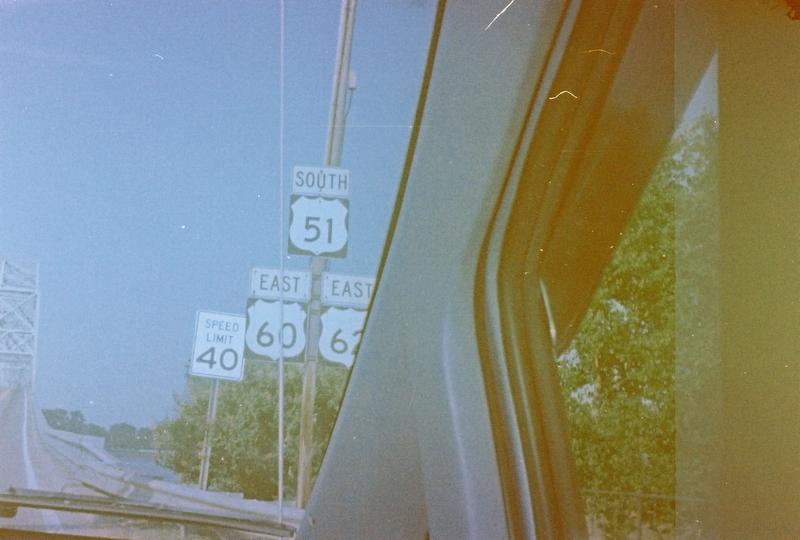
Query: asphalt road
point(25, 463)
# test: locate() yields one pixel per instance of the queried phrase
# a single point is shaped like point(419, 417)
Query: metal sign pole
point(333, 151)
point(212, 413)
point(281, 405)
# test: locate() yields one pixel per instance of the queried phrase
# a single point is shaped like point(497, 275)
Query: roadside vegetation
point(72, 421)
point(624, 370)
point(119, 436)
point(244, 457)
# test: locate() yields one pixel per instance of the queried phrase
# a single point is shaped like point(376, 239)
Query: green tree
point(245, 433)
point(144, 438)
point(618, 375)
point(72, 421)
point(56, 418)
point(121, 435)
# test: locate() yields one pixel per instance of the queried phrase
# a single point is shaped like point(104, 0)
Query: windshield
point(194, 199)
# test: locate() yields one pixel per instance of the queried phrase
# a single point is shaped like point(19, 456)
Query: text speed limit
point(341, 334)
point(266, 332)
point(218, 346)
point(318, 226)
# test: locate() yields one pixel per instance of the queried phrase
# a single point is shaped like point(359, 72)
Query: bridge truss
point(19, 313)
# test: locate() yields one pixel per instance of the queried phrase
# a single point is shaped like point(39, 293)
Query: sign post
point(276, 329)
point(333, 151)
point(206, 452)
point(218, 353)
point(318, 226)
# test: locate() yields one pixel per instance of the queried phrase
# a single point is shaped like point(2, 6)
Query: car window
point(607, 279)
point(639, 378)
point(639, 372)
point(177, 221)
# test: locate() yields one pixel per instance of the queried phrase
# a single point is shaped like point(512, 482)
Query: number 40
point(225, 361)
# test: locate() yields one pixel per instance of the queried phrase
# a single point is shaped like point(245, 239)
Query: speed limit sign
point(318, 226)
point(218, 346)
point(341, 334)
point(268, 329)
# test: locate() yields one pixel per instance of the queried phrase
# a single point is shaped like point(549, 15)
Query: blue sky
point(139, 167)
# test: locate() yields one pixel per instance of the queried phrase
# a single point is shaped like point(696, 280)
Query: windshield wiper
point(12, 499)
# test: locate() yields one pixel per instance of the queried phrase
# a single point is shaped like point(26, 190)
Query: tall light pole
point(332, 158)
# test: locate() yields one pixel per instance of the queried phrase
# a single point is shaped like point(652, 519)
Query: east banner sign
point(275, 284)
point(346, 290)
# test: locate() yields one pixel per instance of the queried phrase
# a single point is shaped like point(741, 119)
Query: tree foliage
point(618, 376)
point(72, 421)
point(244, 456)
point(128, 437)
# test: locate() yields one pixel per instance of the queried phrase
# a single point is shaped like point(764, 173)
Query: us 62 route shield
point(341, 334)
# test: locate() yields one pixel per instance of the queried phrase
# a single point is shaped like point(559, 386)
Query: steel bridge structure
point(19, 314)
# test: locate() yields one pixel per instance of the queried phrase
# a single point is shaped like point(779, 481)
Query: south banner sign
point(321, 181)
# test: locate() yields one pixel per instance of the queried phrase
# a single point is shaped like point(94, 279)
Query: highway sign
point(318, 226)
point(321, 181)
point(265, 333)
point(218, 346)
point(343, 290)
point(270, 283)
point(341, 334)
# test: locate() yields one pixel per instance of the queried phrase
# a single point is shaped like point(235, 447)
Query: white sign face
point(318, 226)
point(321, 181)
point(342, 290)
point(268, 283)
point(341, 334)
point(262, 337)
point(218, 346)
